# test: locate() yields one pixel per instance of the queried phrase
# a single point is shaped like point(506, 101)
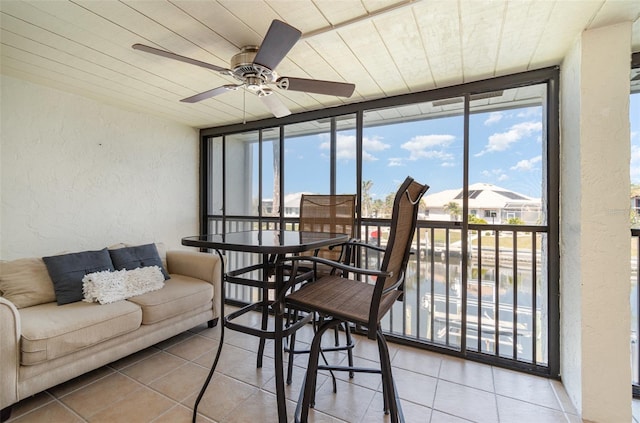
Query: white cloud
point(530, 111)
point(395, 161)
point(448, 164)
point(494, 117)
point(501, 141)
point(346, 147)
point(527, 164)
point(497, 174)
point(634, 135)
point(429, 147)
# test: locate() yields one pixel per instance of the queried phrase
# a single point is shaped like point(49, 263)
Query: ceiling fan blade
point(275, 105)
point(280, 38)
point(316, 86)
point(174, 56)
point(211, 93)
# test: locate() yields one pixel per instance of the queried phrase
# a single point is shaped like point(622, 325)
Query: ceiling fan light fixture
point(264, 91)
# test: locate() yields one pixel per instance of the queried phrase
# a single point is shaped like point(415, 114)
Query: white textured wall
point(77, 174)
point(570, 231)
point(595, 235)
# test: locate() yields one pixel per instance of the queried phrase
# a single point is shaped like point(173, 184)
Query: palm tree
point(366, 197)
point(453, 209)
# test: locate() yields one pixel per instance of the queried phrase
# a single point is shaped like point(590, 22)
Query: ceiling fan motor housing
point(252, 74)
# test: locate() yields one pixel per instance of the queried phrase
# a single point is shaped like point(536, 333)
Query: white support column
point(594, 224)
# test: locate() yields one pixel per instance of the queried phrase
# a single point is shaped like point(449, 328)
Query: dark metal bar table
point(274, 245)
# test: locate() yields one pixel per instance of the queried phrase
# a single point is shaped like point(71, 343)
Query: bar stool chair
point(362, 302)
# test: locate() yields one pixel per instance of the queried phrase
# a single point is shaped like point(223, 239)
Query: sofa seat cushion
point(50, 331)
point(180, 294)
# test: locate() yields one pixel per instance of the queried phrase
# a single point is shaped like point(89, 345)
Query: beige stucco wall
point(77, 174)
point(594, 222)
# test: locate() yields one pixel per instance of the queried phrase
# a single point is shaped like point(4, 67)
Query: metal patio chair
point(343, 299)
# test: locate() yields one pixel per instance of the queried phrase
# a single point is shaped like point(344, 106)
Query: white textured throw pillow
point(107, 287)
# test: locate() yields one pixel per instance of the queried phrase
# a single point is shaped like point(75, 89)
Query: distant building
point(291, 204)
point(486, 201)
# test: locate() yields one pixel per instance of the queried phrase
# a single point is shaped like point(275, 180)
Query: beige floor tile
point(221, 397)
point(149, 369)
point(416, 360)
point(367, 380)
point(240, 364)
point(134, 358)
point(193, 347)
point(368, 349)
point(415, 387)
point(80, 381)
point(467, 373)
point(100, 394)
point(433, 388)
point(30, 404)
point(440, 417)
point(140, 406)
point(563, 397)
point(412, 412)
point(529, 388)
point(180, 414)
point(292, 391)
point(350, 403)
point(468, 403)
point(53, 412)
point(167, 343)
point(259, 407)
point(207, 332)
point(247, 342)
point(181, 382)
point(511, 410)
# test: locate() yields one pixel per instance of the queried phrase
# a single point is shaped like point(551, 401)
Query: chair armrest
point(360, 244)
point(204, 266)
point(9, 352)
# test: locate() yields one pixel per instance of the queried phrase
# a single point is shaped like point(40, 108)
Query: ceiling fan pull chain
point(244, 107)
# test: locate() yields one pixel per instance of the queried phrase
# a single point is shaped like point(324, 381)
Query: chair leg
point(349, 340)
point(383, 371)
point(291, 346)
point(309, 385)
point(265, 321)
point(395, 408)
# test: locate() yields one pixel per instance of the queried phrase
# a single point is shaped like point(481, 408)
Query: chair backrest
point(398, 249)
point(328, 213)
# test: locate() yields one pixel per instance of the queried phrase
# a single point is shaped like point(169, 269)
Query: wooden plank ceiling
point(385, 47)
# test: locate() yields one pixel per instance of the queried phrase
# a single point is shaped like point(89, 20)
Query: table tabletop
point(266, 241)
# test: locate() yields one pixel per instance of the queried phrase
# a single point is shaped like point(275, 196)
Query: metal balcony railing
point(487, 302)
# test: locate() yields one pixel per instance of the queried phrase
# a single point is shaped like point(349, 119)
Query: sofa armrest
point(9, 352)
point(200, 266)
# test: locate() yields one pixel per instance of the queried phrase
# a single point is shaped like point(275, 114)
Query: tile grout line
point(495, 394)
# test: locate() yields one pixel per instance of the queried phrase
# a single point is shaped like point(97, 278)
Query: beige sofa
point(43, 344)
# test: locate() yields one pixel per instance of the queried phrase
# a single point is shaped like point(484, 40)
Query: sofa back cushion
point(25, 282)
point(130, 258)
point(67, 271)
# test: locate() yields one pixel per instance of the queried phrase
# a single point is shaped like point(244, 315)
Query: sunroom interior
point(96, 147)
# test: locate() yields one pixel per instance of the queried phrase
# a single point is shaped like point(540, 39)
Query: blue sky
point(505, 150)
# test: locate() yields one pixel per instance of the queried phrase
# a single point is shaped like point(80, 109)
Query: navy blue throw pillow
point(67, 270)
point(130, 258)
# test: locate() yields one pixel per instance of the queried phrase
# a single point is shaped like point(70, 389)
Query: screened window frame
point(548, 76)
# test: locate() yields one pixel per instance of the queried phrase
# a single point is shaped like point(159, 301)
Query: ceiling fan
point(255, 67)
